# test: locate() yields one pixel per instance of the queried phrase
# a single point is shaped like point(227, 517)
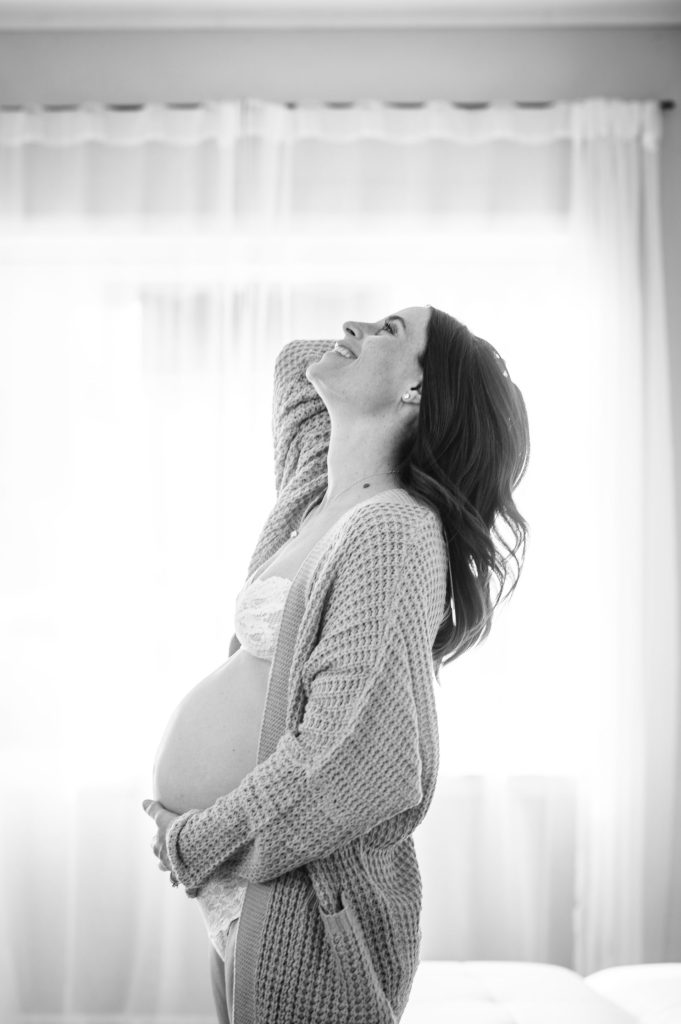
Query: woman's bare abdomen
point(211, 740)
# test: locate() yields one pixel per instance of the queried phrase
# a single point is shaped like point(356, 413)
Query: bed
point(515, 992)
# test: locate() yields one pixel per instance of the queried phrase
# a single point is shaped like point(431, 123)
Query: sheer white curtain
point(154, 262)
point(629, 615)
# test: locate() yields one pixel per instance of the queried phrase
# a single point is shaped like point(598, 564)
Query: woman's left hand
point(164, 819)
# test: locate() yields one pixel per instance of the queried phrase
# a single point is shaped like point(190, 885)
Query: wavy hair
point(467, 454)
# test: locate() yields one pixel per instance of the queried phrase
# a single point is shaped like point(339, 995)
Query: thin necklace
point(294, 533)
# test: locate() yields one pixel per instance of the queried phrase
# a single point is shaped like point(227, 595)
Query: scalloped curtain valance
point(255, 165)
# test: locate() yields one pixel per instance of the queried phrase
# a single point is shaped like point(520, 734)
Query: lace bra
point(259, 607)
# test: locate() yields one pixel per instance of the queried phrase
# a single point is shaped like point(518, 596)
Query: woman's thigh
point(217, 979)
point(230, 964)
point(222, 976)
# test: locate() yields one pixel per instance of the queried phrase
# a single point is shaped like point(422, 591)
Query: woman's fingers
point(163, 818)
point(152, 808)
point(161, 815)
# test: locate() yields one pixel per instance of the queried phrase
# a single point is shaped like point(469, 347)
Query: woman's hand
point(164, 819)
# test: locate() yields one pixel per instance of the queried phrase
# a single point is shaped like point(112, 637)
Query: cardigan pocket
point(365, 993)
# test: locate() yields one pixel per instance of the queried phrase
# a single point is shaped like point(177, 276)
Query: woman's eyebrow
point(397, 317)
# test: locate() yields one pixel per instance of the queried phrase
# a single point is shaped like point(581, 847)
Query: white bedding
point(516, 992)
point(652, 992)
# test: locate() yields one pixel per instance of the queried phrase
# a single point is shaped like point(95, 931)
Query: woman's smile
point(342, 350)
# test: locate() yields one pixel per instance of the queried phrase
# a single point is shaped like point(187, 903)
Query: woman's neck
point(334, 509)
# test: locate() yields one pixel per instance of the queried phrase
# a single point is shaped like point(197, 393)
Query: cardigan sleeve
point(354, 760)
point(301, 430)
point(300, 421)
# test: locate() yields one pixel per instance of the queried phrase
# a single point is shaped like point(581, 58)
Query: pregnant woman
point(289, 782)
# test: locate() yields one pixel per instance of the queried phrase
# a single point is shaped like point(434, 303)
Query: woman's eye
point(389, 326)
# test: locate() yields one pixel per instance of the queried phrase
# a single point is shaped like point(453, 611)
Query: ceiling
point(120, 14)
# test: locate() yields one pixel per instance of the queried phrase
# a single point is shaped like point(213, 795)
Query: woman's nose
point(357, 328)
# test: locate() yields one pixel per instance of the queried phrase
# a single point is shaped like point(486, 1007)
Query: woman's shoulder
point(393, 514)
point(392, 537)
point(392, 502)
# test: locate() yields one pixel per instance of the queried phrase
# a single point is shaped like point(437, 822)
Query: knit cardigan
point(321, 829)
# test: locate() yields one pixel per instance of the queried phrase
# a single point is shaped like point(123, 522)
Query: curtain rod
point(663, 104)
point(292, 104)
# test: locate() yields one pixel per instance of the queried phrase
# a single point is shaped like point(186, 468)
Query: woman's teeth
point(342, 351)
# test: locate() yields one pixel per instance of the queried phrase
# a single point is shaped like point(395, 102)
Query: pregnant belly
point(211, 740)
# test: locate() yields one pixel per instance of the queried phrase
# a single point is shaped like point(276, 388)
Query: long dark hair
point(468, 453)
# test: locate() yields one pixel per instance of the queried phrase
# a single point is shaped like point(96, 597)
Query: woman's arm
point(300, 432)
point(300, 420)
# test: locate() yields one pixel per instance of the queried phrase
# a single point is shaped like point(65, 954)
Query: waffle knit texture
point(325, 820)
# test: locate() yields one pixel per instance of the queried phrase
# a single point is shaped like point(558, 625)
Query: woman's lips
point(347, 348)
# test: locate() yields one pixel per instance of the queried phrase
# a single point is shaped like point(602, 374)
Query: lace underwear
point(220, 900)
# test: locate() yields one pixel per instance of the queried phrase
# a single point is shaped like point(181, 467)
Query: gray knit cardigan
point(321, 829)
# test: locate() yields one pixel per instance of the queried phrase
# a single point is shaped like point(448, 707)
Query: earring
point(405, 396)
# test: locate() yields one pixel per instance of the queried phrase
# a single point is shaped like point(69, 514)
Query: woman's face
point(385, 362)
point(408, 327)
